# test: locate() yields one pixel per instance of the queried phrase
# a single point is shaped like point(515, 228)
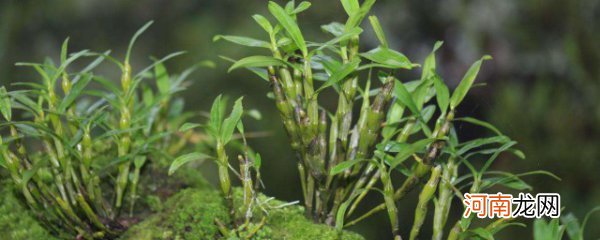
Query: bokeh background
point(542, 88)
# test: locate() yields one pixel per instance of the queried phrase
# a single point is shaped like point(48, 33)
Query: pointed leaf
point(350, 6)
point(257, 61)
point(388, 58)
point(181, 160)
point(301, 7)
point(263, 22)
point(480, 123)
point(405, 97)
point(75, 92)
point(334, 28)
point(257, 161)
point(5, 107)
point(442, 94)
point(429, 65)
point(134, 38)
point(244, 41)
point(231, 122)
point(378, 31)
point(465, 84)
point(340, 74)
point(289, 24)
point(341, 167)
point(408, 151)
point(162, 79)
point(188, 126)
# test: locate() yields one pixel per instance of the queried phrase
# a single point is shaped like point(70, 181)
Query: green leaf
point(480, 123)
point(467, 146)
point(334, 28)
point(429, 65)
point(64, 51)
point(378, 31)
point(263, 22)
point(301, 7)
point(340, 167)
point(350, 6)
point(572, 226)
point(587, 218)
point(2, 161)
point(5, 107)
point(547, 231)
point(181, 160)
point(231, 122)
point(511, 181)
point(162, 79)
point(357, 16)
point(217, 111)
point(340, 74)
point(407, 151)
point(388, 58)
point(289, 24)
point(29, 173)
point(465, 84)
point(75, 92)
point(341, 213)
point(257, 61)
point(253, 113)
point(483, 233)
point(257, 161)
point(188, 126)
point(134, 38)
point(244, 41)
point(442, 94)
point(343, 37)
point(405, 97)
point(262, 73)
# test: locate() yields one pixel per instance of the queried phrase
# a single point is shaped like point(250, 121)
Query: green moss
point(16, 222)
point(191, 213)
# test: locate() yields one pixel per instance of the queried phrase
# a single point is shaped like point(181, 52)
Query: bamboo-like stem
point(421, 169)
point(443, 204)
point(224, 180)
point(390, 204)
point(125, 139)
point(424, 198)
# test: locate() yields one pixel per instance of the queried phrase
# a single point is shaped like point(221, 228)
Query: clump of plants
point(75, 152)
point(220, 130)
point(382, 128)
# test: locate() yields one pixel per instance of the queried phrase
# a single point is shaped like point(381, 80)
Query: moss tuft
point(190, 215)
point(16, 222)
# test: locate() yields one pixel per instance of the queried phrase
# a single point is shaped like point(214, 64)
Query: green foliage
point(69, 141)
point(221, 129)
point(394, 134)
point(190, 215)
point(553, 229)
point(16, 222)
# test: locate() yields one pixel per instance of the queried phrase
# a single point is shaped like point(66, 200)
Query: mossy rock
point(191, 214)
point(16, 221)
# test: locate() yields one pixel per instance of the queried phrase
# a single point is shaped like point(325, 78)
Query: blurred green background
point(543, 86)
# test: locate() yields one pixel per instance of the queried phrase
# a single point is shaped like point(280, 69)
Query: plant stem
point(424, 198)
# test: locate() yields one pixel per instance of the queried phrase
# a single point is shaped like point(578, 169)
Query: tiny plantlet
point(221, 130)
